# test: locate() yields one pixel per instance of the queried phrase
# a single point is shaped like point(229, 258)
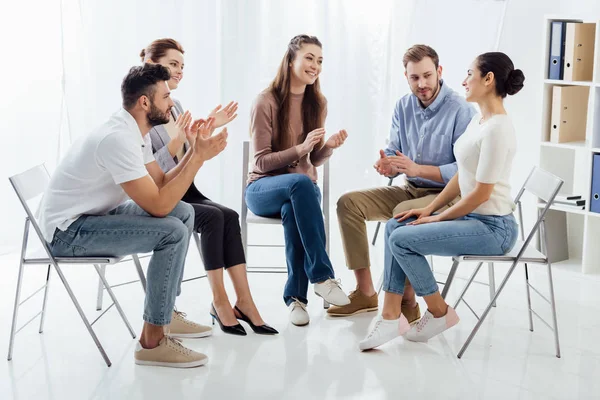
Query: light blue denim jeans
point(296, 199)
point(407, 246)
point(128, 229)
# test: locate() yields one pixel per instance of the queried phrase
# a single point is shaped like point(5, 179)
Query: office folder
point(557, 50)
point(579, 51)
point(569, 113)
point(595, 195)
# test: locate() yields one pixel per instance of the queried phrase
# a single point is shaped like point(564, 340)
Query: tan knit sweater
point(263, 128)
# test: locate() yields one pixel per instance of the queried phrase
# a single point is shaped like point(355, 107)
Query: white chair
point(248, 217)
point(28, 186)
point(545, 186)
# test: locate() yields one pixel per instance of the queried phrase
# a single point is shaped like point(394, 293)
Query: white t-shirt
point(88, 178)
point(484, 153)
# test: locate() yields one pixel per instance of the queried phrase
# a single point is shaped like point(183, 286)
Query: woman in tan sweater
point(288, 138)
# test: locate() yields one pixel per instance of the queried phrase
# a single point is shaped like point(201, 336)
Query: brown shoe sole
point(362, 310)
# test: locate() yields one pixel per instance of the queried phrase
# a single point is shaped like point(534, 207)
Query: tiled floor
point(320, 361)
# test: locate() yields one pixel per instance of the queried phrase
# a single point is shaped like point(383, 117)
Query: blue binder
point(595, 195)
point(557, 49)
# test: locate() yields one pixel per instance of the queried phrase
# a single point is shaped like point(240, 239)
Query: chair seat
point(74, 260)
point(531, 255)
point(252, 218)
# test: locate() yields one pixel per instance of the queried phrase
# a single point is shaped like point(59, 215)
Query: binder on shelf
point(557, 50)
point(564, 197)
point(579, 51)
point(595, 195)
point(569, 113)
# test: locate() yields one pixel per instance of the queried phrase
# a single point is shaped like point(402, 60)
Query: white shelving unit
point(579, 229)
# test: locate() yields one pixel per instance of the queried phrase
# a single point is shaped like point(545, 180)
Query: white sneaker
point(298, 314)
point(331, 292)
point(384, 330)
point(429, 326)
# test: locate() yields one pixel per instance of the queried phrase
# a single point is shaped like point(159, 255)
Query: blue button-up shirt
point(427, 135)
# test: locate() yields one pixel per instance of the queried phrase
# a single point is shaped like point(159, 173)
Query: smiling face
point(477, 86)
point(307, 65)
point(173, 61)
point(424, 79)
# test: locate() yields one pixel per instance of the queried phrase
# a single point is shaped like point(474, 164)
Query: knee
point(346, 204)
point(302, 182)
point(402, 207)
point(231, 216)
point(177, 230)
point(185, 213)
point(212, 217)
point(397, 239)
point(390, 226)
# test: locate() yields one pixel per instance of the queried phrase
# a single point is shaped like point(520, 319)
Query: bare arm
point(159, 193)
point(156, 200)
point(470, 202)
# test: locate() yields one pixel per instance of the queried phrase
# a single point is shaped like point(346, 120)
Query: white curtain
point(64, 82)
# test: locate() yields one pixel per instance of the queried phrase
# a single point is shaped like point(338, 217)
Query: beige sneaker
point(181, 327)
point(359, 303)
point(169, 353)
point(412, 314)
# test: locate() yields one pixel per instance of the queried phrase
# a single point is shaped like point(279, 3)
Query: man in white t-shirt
point(85, 210)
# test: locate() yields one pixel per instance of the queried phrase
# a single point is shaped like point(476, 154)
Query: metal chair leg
point(114, 299)
point(551, 287)
point(100, 295)
point(553, 304)
point(376, 233)
point(528, 290)
point(492, 281)
point(471, 279)
point(487, 310)
point(380, 283)
point(140, 271)
point(43, 316)
point(86, 322)
point(13, 327)
point(450, 279)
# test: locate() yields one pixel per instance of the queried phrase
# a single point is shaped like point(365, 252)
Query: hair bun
point(143, 55)
point(514, 83)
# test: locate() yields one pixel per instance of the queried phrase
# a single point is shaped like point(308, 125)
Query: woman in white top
point(481, 223)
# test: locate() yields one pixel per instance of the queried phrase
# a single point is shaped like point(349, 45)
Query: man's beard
point(434, 92)
point(156, 117)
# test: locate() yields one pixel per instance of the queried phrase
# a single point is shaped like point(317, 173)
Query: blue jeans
point(296, 199)
point(126, 230)
point(406, 246)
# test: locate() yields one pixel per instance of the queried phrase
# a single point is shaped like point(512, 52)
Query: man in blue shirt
point(425, 126)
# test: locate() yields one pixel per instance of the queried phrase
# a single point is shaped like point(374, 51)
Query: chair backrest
point(542, 184)
point(28, 186)
point(545, 186)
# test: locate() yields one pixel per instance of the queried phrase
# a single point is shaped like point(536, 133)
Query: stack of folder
point(571, 55)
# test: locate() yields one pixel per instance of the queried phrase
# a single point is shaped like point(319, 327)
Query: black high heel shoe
point(232, 330)
point(260, 329)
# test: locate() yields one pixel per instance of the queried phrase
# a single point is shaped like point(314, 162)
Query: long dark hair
point(508, 79)
point(313, 102)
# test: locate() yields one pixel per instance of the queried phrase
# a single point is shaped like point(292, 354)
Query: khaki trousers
point(378, 204)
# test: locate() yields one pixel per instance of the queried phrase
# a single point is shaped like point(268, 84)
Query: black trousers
point(219, 228)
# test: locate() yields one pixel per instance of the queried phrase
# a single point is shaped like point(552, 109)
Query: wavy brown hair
point(313, 103)
point(158, 48)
